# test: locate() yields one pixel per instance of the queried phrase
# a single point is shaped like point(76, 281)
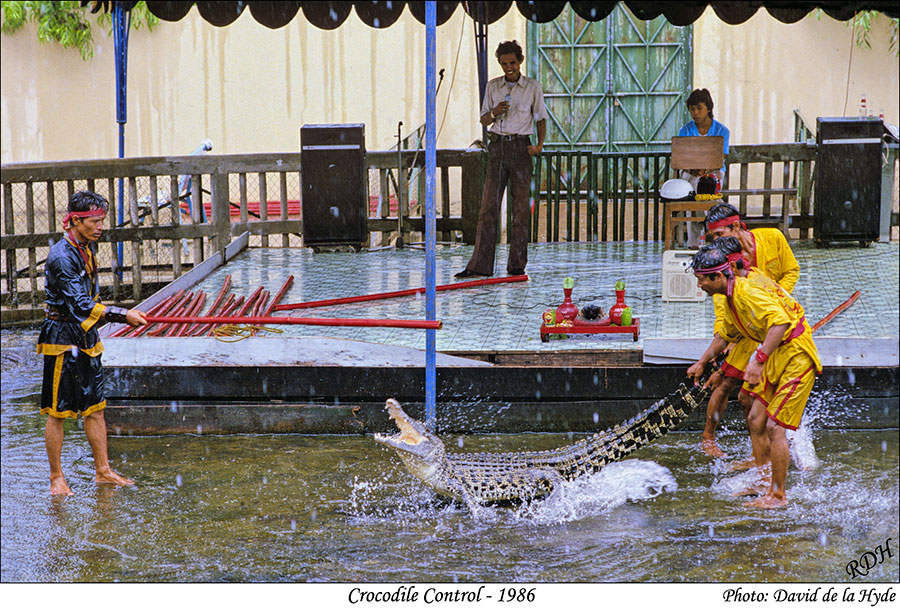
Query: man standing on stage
point(513, 105)
point(70, 343)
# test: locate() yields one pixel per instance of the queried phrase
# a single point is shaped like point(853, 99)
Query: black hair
point(720, 211)
point(86, 200)
point(701, 96)
point(729, 246)
point(708, 257)
point(509, 47)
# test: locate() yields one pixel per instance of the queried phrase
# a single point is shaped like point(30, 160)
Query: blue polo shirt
point(717, 128)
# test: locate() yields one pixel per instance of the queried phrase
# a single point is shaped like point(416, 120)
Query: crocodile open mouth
point(408, 434)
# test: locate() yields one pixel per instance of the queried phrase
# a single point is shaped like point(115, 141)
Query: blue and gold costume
point(69, 341)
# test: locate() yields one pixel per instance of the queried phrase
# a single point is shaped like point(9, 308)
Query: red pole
point(279, 296)
point(305, 321)
point(399, 293)
point(215, 305)
point(153, 311)
point(839, 309)
point(178, 310)
point(227, 306)
point(179, 329)
point(208, 328)
point(173, 302)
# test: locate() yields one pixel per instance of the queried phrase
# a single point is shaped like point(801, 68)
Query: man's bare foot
point(741, 466)
point(711, 448)
point(768, 502)
point(112, 477)
point(58, 487)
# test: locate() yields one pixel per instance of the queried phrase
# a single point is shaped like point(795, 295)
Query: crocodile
point(520, 477)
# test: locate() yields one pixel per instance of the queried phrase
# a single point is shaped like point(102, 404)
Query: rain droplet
point(538, 377)
point(851, 377)
point(265, 480)
point(711, 531)
point(537, 394)
point(596, 379)
point(174, 407)
point(460, 441)
point(178, 480)
point(335, 211)
point(199, 428)
point(883, 446)
point(640, 383)
point(822, 539)
point(596, 417)
point(293, 525)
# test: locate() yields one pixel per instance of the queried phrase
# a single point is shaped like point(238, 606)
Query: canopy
point(384, 13)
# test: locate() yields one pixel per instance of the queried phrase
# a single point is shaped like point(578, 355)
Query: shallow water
point(342, 508)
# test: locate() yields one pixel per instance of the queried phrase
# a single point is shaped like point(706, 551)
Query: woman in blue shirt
point(700, 105)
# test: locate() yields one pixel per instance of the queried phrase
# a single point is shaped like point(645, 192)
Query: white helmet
point(676, 190)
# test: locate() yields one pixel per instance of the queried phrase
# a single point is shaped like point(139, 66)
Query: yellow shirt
point(755, 304)
point(775, 258)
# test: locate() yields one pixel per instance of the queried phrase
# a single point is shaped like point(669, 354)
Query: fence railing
point(587, 196)
point(165, 229)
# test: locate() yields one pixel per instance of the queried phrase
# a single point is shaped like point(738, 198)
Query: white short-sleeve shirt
point(526, 105)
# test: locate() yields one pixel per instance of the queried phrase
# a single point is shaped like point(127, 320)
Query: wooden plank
point(9, 229)
point(242, 194)
point(445, 200)
point(221, 209)
point(115, 263)
point(264, 209)
point(175, 221)
point(51, 206)
point(197, 213)
point(32, 256)
point(154, 201)
point(282, 195)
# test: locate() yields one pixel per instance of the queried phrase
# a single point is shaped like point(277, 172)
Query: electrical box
point(678, 281)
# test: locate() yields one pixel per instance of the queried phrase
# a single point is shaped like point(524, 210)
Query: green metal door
point(615, 85)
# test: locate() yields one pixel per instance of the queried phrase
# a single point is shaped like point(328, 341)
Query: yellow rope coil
point(240, 332)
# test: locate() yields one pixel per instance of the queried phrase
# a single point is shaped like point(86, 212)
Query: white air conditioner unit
point(678, 282)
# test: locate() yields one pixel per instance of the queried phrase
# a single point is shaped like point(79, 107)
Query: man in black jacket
point(70, 343)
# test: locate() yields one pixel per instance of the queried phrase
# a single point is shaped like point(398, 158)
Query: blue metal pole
point(430, 170)
point(122, 18)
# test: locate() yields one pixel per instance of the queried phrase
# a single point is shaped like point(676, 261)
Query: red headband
point(724, 222)
point(83, 214)
point(716, 269)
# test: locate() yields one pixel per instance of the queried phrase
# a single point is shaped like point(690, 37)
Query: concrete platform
point(301, 381)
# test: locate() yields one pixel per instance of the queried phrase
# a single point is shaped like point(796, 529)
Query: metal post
point(122, 25)
point(481, 39)
point(400, 175)
point(430, 170)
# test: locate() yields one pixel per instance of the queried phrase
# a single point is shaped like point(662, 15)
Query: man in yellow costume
point(766, 250)
point(781, 372)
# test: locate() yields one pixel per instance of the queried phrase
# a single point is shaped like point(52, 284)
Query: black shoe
point(465, 273)
point(516, 272)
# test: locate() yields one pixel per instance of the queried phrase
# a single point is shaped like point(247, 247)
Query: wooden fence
point(167, 214)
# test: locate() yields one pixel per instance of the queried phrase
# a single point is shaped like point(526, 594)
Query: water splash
point(618, 483)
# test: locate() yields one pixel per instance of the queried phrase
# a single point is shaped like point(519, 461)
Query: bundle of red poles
point(178, 314)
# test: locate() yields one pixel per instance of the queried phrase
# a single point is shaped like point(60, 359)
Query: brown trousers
point(508, 161)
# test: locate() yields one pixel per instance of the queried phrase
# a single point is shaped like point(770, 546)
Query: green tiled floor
point(507, 317)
